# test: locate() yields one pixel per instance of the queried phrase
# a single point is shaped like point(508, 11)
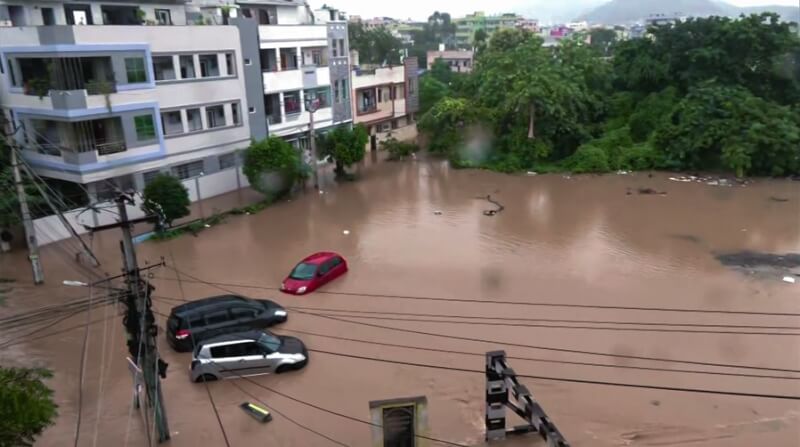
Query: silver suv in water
point(246, 354)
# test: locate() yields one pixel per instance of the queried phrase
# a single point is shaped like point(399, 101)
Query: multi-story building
point(385, 100)
point(303, 56)
point(468, 25)
point(460, 61)
point(103, 97)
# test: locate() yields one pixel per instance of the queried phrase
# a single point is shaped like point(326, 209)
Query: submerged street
point(416, 238)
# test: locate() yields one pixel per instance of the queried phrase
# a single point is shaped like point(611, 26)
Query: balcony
point(77, 142)
point(41, 75)
point(301, 33)
point(308, 77)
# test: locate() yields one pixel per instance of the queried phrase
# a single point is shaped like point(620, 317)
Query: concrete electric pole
point(139, 319)
point(27, 222)
point(312, 105)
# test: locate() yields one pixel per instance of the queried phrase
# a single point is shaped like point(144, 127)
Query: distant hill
point(630, 11)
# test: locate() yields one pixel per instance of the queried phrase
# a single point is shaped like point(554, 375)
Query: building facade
point(468, 25)
point(386, 99)
point(304, 57)
point(108, 95)
point(460, 61)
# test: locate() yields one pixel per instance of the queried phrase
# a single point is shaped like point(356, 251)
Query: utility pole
point(500, 378)
point(312, 105)
point(27, 222)
point(139, 319)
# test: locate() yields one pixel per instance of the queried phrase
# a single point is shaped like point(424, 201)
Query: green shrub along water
point(714, 94)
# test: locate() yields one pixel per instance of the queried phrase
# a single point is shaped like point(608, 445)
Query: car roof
point(319, 257)
point(207, 303)
point(235, 336)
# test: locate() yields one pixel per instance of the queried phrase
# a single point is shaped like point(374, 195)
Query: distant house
point(460, 61)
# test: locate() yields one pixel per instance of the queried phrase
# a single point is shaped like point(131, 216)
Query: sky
point(544, 10)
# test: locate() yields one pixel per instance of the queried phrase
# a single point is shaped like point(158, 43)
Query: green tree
point(445, 122)
point(375, 46)
point(26, 405)
point(166, 196)
point(603, 40)
point(273, 166)
point(9, 205)
point(480, 40)
point(721, 127)
point(344, 145)
point(431, 91)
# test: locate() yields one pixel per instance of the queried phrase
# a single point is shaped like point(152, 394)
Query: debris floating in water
point(437, 212)
point(346, 232)
point(789, 279)
point(532, 173)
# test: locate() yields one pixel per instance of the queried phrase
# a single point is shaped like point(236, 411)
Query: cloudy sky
point(545, 10)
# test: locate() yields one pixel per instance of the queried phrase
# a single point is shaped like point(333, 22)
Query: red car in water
point(313, 272)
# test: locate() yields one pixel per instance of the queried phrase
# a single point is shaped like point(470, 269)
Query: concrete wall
point(340, 70)
point(253, 77)
point(50, 229)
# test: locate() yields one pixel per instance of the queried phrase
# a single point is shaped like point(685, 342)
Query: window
point(336, 95)
point(193, 120)
point(334, 51)
point(316, 57)
point(251, 348)
point(215, 116)
point(145, 129)
point(233, 350)
point(187, 67)
point(188, 170)
point(163, 17)
point(291, 102)
point(209, 66)
point(235, 114)
point(150, 176)
point(229, 64)
point(345, 90)
point(411, 86)
point(380, 94)
point(248, 61)
point(341, 48)
point(172, 122)
point(218, 317)
point(227, 160)
point(163, 68)
point(48, 16)
point(323, 95)
point(251, 109)
point(134, 68)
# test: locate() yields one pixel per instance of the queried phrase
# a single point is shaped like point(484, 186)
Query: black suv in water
point(197, 320)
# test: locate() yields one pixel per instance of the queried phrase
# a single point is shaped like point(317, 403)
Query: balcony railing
point(111, 147)
point(274, 119)
point(367, 108)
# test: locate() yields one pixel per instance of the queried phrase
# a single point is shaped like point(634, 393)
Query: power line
point(84, 348)
point(568, 380)
point(342, 415)
point(220, 286)
point(273, 409)
point(194, 345)
point(533, 325)
point(549, 348)
point(534, 359)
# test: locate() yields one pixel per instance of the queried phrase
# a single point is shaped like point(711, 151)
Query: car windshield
point(303, 271)
point(269, 341)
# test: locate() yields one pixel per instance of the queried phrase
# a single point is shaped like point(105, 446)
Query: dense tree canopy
point(715, 93)
point(344, 145)
point(375, 46)
point(272, 166)
point(26, 405)
point(166, 196)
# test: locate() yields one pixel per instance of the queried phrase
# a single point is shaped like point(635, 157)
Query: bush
point(166, 196)
point(272, 166)
point(26, 405)
point(344, 145)
point(614, 143)
point(650, 112)
point(398, 149)
point(588, 158)
point(640, 157)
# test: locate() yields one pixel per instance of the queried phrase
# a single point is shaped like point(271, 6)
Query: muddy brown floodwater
point(418, 228)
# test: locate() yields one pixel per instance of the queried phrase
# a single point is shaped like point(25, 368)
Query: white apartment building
point(112, 93)
point(303, 56)
point(386, 100)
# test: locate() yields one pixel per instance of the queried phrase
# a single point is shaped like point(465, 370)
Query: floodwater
point(417, 228)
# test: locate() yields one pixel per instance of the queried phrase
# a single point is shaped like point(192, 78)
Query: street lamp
point(312, 105)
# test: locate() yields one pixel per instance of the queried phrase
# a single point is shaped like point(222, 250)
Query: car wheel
point(206, 378)
point(283, 368)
